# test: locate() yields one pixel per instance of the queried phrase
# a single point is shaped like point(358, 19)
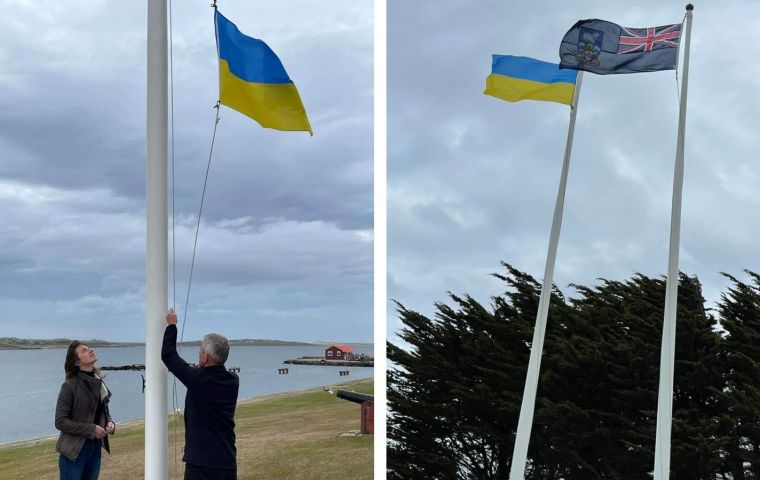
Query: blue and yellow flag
point(253, 81)
point(522, 78)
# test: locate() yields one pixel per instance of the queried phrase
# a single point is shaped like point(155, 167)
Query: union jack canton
point(634, 40)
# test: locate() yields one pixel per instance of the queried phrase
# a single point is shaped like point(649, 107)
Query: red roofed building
point(339, 352)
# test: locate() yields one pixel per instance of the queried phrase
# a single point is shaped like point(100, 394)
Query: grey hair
point(216, 346)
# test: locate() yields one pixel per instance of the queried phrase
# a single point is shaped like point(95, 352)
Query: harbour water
point(30, 381)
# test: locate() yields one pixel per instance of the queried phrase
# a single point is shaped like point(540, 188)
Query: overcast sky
point(285, 248)
point(473, 179)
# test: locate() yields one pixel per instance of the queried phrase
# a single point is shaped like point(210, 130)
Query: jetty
point(134, 366)
point(140, 366)
point(370, 362)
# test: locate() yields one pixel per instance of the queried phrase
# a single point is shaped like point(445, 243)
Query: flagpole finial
point(689, 7)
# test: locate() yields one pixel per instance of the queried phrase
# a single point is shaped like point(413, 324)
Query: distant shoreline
point(12, 343)
point(40, 344)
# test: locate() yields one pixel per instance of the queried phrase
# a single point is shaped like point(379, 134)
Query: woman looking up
point(82, 416)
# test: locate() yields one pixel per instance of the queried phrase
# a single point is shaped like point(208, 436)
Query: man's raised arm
point(169, 355)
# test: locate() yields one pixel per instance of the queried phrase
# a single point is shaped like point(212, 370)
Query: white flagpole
point(667, 352)
point(525, 422)
point(156, 285)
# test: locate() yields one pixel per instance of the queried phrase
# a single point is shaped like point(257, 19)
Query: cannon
point(355, 397)
point(367, 403)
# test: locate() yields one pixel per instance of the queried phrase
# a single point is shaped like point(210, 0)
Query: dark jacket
point(75, 414)
point(209, 408)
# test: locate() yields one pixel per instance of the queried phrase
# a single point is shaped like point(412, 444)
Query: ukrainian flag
point(522, 78)
point(253, 81)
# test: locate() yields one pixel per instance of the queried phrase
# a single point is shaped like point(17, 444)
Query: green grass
point(285, 436)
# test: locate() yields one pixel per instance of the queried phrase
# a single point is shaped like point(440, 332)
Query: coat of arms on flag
point(589, 46)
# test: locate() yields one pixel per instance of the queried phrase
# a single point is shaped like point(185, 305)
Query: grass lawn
point(285, 436)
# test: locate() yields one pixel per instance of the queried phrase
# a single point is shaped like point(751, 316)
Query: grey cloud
point(287, 223)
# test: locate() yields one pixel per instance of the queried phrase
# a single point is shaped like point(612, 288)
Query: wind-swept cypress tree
point(698, 387)
point(739, 310)
point(455, 392)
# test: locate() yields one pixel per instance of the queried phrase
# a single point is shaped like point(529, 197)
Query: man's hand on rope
point(171, 317)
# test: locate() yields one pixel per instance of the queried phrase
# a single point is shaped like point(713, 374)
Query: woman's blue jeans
point(87, 464)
